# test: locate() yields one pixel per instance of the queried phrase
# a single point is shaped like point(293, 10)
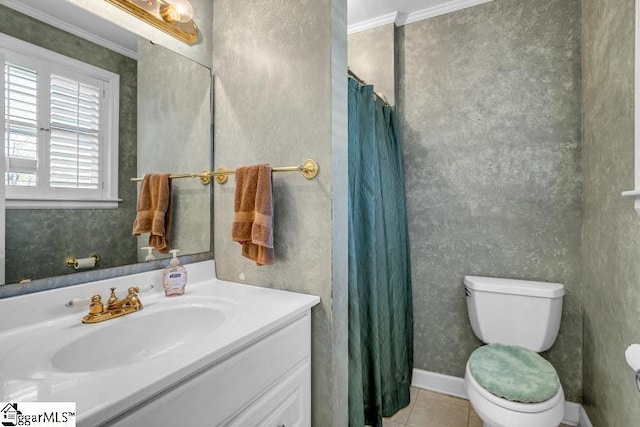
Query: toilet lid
point(514, 373)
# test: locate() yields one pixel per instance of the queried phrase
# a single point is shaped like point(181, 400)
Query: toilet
point(507, 382)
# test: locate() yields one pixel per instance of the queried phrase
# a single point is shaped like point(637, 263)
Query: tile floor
point(429, 409)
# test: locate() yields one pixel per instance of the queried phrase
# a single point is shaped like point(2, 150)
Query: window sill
point(14, 203)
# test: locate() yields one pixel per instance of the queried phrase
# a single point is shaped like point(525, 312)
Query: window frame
point(105, 197)
point(635, 193)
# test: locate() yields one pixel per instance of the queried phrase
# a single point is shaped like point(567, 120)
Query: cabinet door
point(288, 404)
point(229, 387)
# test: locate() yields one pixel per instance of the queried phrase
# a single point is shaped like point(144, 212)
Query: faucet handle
point(145, 288)
point(78, 302)
point(96, 307)
point(132, 300)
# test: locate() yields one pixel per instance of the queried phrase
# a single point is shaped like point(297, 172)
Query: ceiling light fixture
point(176, 10)
point(174, 17)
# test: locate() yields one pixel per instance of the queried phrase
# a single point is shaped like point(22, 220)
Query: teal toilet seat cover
point(514, 373)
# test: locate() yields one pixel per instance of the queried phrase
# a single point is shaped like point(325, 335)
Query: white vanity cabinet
point(265, 383)
point(223, 354)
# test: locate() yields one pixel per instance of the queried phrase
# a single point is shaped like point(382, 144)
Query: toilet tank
point(515, 312)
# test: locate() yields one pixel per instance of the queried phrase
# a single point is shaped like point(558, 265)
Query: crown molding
point(442, 9)
point(402, 18)
point(65, 26)
point(369, 24)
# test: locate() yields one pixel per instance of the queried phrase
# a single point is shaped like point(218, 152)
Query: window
point(635, 193)
point(60, 129)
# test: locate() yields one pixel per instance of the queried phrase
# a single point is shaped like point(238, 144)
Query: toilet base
point(493, 425)
point(553, 418)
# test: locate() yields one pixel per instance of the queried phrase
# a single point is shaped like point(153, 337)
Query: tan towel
point(253, 219)
point(154, 210)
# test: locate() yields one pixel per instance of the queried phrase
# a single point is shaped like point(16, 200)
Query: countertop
point(34, 320)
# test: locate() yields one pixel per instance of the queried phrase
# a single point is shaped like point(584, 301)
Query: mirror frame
point(55, 282)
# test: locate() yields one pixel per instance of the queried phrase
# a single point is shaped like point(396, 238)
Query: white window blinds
point(21, 125)
point(75, 134)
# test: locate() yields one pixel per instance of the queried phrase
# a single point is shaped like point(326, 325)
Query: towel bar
point(309, 169)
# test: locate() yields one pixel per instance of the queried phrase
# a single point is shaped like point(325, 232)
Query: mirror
point(164, 126)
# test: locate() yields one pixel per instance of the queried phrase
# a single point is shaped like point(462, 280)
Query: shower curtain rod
point(363, 83)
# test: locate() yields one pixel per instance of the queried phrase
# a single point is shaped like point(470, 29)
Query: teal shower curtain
point(380, 301)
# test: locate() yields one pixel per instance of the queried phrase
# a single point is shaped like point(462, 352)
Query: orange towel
point(154, 210)
point(253, 219)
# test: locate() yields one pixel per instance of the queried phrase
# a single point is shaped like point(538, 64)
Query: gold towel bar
point(309, 169)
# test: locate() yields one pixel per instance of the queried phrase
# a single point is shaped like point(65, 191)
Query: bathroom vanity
point(224, 354)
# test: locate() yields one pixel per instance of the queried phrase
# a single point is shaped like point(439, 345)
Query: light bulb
point(176, 10)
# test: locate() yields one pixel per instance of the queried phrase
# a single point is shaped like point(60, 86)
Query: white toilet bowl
point(498, 412)
point(524, 314)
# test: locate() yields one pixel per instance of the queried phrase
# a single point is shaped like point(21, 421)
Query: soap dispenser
point(175, 276)
point(149, 256)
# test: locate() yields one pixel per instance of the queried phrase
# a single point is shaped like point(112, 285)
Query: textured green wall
point(49, 236)
point(611, 245)
point(490, 123)
point(372, 55)
point(280, 97)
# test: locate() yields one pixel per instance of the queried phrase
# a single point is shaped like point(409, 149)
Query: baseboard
point(444, 384)
point(574, 413)
point(584, 418)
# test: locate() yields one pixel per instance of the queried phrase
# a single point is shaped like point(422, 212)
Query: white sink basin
point(156, 331)
point(138, 338)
